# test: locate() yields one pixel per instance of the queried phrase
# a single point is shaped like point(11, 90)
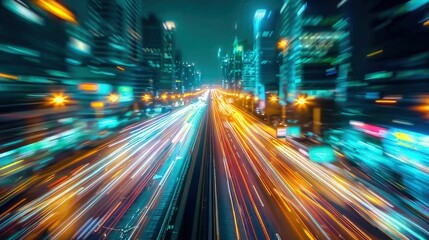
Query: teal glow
point(407, 139)
point(260, 13)
point(23, 11)
point(104, 88)
point(125, 94)
point(293, 131)
point(108, 123)
point(19, 50)
point(321, 154)
point(378, 75)
point(302, 9)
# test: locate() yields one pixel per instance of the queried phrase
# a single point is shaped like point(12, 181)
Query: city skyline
point(199, 24)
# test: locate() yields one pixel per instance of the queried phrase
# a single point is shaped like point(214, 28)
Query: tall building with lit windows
point(237, 65)
point(310, 53)
point(116, 30)
point(249, 83)
point(159, 50)
point(265, 36)
point(384, 90)
point(227, 65)
point(168, 56)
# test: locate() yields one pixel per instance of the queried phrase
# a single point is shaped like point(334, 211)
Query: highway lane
point(292, 197)
point(90, 195)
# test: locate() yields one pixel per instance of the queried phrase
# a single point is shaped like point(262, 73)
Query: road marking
point(260, 200)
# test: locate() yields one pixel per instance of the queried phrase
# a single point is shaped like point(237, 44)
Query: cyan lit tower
point(159, 47)
point(237, 74)
point(189, 76)
point(310, 50)
point(249, 84)
point(266, 67)
point(178, 65)
point(227, 64)
point(105, 25)
point(116, 29)
point(152, 30)
point(168, 57)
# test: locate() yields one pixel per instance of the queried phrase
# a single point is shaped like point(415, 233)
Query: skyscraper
point(310, 55)
point(105, 24)
point(266, 67)
point(237, 65)
point(152, 41)
point(249, 83)
point(159, 48)
point(168, 56)
point(178, 64)
point(227, 72)
point(189, 76)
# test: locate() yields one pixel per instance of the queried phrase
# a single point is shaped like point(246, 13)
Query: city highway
point(120, 189)
point(266, 189)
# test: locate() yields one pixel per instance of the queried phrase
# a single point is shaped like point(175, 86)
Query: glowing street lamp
point(283, 44)
point(301, 101)
point(58, 100)
point(274, 98)
point(164, 97)
point(146, 97)
point(113, 98)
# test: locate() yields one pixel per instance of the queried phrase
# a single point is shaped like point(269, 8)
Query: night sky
point(205, 25)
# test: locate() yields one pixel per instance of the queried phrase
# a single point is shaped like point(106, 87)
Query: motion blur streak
point(116, 190)
point(274, 190)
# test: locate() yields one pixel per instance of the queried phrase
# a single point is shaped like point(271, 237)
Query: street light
point(146, 97)
point(113, 98)
point(274, 98)
point(301, 101)
point(58, 100)
point(283, 44)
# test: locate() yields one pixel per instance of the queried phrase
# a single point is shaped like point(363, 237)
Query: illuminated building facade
point(249, 83)
point(168, 57)
point(237, 65)
point(383, 88)
point(105, 26)
point(153, 36)
point(159, 50)
point(265, 53)
point(178, 64)
point(189, 76)
point(227, 64)
point(310, 52)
